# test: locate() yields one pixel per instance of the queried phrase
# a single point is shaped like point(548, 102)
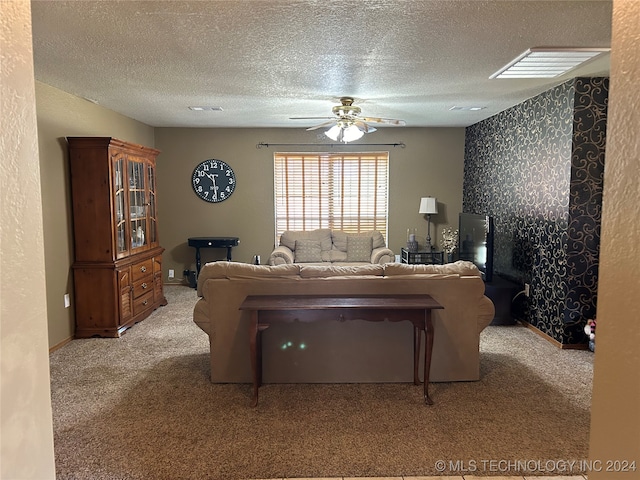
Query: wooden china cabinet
point(117, 271)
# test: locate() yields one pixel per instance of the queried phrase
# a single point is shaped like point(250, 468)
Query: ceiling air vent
point(547, 62)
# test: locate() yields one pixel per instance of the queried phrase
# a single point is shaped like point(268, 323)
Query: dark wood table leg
point(228, 254)
point(255, 363)
point(417, 340)
point(428, 350)
point(197, 262)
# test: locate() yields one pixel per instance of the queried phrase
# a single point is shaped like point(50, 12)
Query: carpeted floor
point(142, 407)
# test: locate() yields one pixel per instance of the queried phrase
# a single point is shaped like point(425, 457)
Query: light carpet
point(143, 407)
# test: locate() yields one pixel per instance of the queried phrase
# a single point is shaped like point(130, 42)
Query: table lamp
point(428, 206)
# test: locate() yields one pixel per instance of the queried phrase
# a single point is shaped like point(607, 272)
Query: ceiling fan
point(347, 124)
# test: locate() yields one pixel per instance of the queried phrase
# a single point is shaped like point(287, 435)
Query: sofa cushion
point(229, 270)
point(307, 251)
point(323, 235)
point(338, 256)
point(340, 239)
point(248, 270)
point(359, 248)
point(460, 267)
point(322, 271)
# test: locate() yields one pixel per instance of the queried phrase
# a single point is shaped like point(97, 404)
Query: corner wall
point(537, 169)
point(61, 115)
point(615, 416)
point(26, 431)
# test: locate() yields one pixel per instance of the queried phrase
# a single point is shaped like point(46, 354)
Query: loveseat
point(326, 246)
point(342, 352)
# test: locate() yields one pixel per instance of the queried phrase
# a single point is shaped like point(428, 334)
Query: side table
point(212, 242)
point(422, 257)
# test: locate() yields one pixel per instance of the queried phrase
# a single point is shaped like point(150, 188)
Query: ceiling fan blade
point(365, 127)
point(388, 121)
point(309, 118)
point(322, 125)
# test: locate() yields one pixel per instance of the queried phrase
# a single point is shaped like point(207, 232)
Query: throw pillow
point(308, 251)
point(359, 248)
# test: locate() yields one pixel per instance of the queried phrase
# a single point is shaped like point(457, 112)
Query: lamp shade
point(428, 205)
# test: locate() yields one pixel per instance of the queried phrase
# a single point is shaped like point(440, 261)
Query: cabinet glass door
point(151, 211)
point(137, 205)
point(119, 205)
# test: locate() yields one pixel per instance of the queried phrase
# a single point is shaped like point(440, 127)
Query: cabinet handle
point(143, 269)
point(144, 285)
point(145, 302)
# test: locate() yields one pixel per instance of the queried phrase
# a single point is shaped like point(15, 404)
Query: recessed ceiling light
point(206, 109)
point(547, 62)
point(466, 109)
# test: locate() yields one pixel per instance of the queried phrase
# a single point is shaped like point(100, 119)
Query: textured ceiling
point(264, 61)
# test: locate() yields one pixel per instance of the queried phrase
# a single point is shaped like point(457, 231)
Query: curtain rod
point(264, 144)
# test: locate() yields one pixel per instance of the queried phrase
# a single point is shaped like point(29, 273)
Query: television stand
point(501, 292)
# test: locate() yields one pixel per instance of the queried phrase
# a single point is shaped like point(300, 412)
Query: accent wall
point(537, 168)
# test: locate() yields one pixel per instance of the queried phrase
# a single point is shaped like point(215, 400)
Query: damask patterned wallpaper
point(537, 168)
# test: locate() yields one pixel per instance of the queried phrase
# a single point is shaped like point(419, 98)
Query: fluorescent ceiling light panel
point(206, 109)
point(547, 62)
point(457, 108)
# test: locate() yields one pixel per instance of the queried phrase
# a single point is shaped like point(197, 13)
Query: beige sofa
point(326, 246)
point(342, 352)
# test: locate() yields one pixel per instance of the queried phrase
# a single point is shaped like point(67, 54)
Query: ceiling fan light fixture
point(351, 133)
point(344, 133)
point(334, 132)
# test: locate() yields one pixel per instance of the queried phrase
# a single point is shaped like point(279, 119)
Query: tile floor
point(455, 477)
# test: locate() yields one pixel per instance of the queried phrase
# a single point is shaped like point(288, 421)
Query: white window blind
point(329, 190)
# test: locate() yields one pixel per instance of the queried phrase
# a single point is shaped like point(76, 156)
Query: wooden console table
point(268, 309)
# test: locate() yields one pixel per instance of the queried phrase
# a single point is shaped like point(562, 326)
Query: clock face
point(213, 180)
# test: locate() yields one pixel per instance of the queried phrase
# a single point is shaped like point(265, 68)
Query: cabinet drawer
point(143, 303)
point(142, 286)
point(142, 269)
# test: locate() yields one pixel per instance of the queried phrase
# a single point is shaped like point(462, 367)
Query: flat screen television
point(475, 242)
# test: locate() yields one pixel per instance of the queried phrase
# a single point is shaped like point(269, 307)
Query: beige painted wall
point(431, 164)
point(60, 115)
point(26, 432)
point(615, 407)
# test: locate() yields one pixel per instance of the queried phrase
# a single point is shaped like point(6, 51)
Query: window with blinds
point(330, 190)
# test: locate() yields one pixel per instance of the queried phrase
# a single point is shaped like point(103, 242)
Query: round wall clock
point(213, 180)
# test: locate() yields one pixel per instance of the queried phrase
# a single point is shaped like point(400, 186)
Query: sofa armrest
point(486, 312)
point(281, 255)
point(382, 255)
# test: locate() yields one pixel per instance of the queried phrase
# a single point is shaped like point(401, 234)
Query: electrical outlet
point(172, 274)
point(67, 301)
point(527, 290)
